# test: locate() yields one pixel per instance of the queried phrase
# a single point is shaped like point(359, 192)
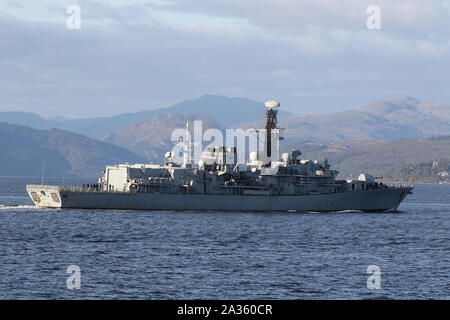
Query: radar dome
point(272, 104)
point(285, 157)
point(168, 154)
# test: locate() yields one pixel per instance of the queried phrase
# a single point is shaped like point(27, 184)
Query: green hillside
point(382, 158)
point(24, 150)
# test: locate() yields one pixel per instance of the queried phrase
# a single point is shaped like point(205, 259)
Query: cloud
point(295, 16)
point(314, 56)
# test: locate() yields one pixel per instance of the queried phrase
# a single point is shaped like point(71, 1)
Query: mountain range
point(390, 119)
point(225, 111)
point(378, 157)
point(56, 153)
point(152, 138)
point(384, 137)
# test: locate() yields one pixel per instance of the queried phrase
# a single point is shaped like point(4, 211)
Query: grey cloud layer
point(406, 15)
point(131, 65)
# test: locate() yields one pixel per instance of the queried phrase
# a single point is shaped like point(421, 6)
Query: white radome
point(272, 104)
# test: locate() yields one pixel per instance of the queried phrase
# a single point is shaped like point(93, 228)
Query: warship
point(217, 182)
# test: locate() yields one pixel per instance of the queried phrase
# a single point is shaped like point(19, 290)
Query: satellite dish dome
point(272, 104)
point(253, 156)
point(168, 155)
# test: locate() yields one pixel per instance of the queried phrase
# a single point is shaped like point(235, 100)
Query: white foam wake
point(13, 197)
point(18, 207)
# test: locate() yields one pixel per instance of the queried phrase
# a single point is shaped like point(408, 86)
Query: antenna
point(271, 124)
point(272, 104)
point(187, 148)
point(43, 173)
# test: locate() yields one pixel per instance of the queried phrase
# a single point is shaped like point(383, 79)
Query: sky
point(314, 56)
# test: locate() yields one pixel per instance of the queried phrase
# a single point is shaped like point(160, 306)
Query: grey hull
point(369, 200)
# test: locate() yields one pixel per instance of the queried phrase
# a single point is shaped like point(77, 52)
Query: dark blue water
point(171, 255)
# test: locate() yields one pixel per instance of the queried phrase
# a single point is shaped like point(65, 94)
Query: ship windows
point(35, 196)
point(55, 197)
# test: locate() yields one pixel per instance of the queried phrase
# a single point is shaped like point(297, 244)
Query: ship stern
point(45, 196)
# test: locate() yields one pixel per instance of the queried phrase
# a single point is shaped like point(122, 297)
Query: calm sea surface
point(176, 255)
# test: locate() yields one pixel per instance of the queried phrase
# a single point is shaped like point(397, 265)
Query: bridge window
point(55, 197)
point(35, 196)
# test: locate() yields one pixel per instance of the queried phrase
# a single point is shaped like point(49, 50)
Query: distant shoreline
point(415, 184)
point(36, 177)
